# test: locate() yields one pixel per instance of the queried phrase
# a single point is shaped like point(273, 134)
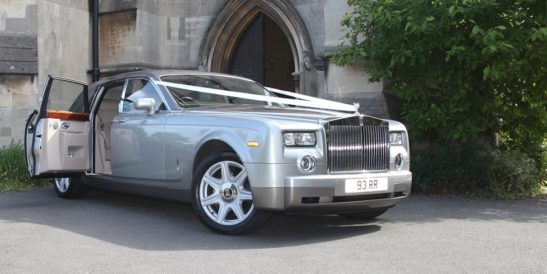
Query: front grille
point(358, 145)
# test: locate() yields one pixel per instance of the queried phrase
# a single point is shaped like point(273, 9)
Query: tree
point(462, 68)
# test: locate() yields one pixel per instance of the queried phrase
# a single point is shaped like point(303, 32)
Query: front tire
point(69, 187)
point(222, 196)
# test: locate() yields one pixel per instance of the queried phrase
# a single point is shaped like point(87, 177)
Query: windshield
point(188, 98)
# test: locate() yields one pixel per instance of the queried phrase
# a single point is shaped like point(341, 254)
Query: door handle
point(65, 125)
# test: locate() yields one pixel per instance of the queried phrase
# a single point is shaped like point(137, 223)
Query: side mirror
point(147, 104)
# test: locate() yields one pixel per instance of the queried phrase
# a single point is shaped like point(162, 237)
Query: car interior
point(106, 111)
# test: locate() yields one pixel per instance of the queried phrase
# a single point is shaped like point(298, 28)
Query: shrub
point(476, 171)
point(543, 162)
point(463, 69)
point(13, 173)
point(466, 72)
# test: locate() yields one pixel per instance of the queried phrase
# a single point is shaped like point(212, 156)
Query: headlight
point(299, 139)
point(396, 138)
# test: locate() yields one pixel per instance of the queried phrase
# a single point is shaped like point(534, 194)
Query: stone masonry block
point(5, 131)
point(18, 40)
point(5, 97)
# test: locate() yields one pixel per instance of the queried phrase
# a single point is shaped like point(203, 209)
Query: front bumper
point(325, 194)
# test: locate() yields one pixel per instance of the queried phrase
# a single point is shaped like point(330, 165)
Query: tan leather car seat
point(107, 111)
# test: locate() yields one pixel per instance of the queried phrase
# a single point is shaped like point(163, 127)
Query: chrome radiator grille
point(358, 147)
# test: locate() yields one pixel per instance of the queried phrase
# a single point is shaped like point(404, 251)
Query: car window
point(66, 96)
point(114, 91)
point(189, 98)
point(140, 88)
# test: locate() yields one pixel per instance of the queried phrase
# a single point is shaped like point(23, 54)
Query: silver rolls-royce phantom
point(236, 150)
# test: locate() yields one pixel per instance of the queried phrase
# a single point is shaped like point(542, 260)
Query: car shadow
point(419, 209)
point(149, 224)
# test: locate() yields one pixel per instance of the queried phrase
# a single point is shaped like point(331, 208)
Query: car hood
point(273, 112)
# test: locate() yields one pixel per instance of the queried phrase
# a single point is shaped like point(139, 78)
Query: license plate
point(366, 185)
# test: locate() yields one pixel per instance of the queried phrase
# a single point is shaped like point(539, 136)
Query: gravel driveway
point(108, 232)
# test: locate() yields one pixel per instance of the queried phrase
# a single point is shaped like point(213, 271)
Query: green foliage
point(476, 171)
point(466, 71)
point(462, 68)
point(13, 173)
point(543, 163)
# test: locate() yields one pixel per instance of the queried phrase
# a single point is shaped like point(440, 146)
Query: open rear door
point(56, 136)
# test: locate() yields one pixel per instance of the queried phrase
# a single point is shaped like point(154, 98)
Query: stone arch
point(234, 18)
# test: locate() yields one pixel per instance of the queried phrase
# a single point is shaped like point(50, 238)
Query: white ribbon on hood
point(304, 100)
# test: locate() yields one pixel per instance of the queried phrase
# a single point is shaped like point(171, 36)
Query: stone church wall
point(137, 34)
point(18, 67)
point(169, 34)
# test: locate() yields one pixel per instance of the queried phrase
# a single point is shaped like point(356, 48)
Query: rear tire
point(69, 187)
point(368, 215)
point(222, 197)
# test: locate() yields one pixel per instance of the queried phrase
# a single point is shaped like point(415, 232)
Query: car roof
point(156, 74)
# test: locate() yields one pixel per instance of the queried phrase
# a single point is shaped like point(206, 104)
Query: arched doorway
point(263, 53)
point(279, 19)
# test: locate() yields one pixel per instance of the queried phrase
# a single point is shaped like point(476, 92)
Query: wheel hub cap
point(229, 192)
point(62, 184)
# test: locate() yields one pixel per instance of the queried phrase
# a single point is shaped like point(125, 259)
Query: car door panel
point(61, 145)
point(56, 136)
point(137, 138)
point(137, 142)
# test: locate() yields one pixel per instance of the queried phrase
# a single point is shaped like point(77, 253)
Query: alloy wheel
point(224, 193)
point(62, 184)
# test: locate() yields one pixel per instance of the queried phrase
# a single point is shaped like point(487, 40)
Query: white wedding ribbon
point(304, 100)
point(354, 107)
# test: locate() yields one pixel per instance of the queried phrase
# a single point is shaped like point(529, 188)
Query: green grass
point(13, 173)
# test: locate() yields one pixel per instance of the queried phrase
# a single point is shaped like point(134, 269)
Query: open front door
point(56, 136)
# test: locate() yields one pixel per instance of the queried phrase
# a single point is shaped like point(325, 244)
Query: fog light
point(399, 161)
point(307, 163)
